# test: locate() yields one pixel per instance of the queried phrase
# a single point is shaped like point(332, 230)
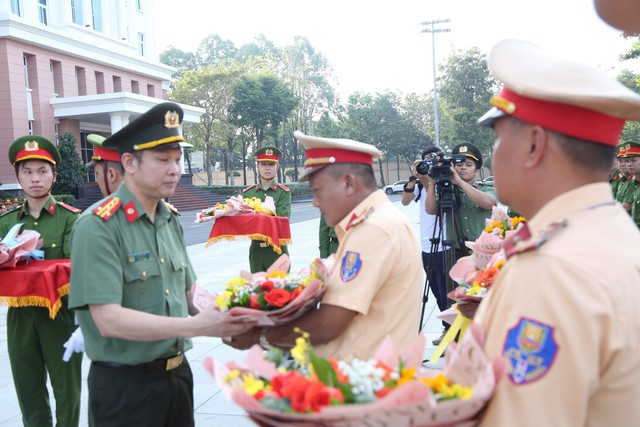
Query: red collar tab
point(358, 219)
point(130, 211)
point(563, 118)
point(107, 209)
point(328, 156)
point(52, 208)
point(524, 241)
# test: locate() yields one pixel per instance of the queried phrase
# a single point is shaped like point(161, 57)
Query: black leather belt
point(166, 364)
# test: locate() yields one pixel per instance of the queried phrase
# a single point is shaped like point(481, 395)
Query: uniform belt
point(166, 364)
point(259, 243)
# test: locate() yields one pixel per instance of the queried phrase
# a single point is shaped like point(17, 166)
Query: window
point(141, 44)
point(25, 66)
point(96, 15)
point(15, 7)
point(151, 91)
point(135, 86)
point(81, 78)
point(42, 11)
point(76, 11)
point(99, 82)
point(30, 130)
point(139, 5)
point(117, 84)
point(56, 76)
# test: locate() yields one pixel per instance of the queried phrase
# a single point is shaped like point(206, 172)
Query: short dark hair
point(588, 154)
point(432, 149)
point(111, 164)
point(18, 164)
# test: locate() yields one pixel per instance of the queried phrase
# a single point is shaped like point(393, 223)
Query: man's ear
point(128, 161)
point(537, 144)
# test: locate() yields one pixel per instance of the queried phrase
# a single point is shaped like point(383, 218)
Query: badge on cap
point(463, 149)
point(269, 152)
point(171, 120)
point(351, 265)
point(31, 146)
point(530, 350)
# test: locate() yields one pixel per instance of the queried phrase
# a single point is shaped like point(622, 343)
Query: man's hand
point(243, 341)
point(211, 322)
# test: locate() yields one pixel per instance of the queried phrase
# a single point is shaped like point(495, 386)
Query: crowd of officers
point(625, 178)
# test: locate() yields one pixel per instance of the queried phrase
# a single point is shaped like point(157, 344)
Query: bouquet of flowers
point(15, 247)
point(273, 297)
point(390, 389)
point(237, 205)
point(476, 273)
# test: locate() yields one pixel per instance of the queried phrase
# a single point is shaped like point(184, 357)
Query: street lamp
point(433, 30)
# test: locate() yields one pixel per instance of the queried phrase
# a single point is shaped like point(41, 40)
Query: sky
point(377, 45)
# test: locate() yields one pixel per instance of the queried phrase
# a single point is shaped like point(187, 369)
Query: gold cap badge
point(31, 146)
point(171, 120)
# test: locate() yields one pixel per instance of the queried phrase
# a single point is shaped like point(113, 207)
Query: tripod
point(447, 203)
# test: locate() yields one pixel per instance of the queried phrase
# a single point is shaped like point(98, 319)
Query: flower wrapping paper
point(236, 205)
point(411, 404)
point(15, 247)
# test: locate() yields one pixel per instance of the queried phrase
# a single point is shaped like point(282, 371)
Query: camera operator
point(432, 256)
point(474, 200)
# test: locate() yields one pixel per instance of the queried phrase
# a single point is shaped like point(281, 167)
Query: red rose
point(317, 396)
point(295, 293)
point(267, 286)
point(277, 297)
point(253, 301)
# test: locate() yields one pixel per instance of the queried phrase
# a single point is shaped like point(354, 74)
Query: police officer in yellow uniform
point(562, 311)
point(34, 341)
point(132, 285)
point(261, 255)
point(375, 288)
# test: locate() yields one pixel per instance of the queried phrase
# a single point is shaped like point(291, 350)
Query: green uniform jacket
point(281, 196)
point(328, 239)
point(470, 216)
point(54, 225)
point(634, 190)
point(617, 180)
point(624, 194)
point(120, 257)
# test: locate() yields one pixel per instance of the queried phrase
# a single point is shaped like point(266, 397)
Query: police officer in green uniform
point(34, 341)
point(474, 200)
point(328, 239)
point(616, 176)
point(261, 255)
point(632, 198)
point(132, 285)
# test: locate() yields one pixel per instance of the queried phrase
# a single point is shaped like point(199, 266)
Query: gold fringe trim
point(33, 301)
point(261, 237)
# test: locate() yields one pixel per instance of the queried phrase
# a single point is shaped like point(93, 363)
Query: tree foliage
point(71, 171)
point(466, 85)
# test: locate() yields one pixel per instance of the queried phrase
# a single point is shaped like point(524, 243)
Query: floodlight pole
point(433, 30)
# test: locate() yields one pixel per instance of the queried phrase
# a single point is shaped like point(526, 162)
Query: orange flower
point(253, 301)
point(342, 378)
point(277, 297)
point(487, 276)
point(317, 396)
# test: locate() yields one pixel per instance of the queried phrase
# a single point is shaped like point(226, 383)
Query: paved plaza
point(214, 266)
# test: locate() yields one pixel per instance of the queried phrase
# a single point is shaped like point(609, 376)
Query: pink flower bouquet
point(390, 389)
point(274, 297)
point(15, 247)
point(237, 205)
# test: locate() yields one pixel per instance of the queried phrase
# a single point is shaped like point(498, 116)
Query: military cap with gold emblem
point(631, 149)
point(268, 153)
point(99, 152)
point(33, 147)
point(469, 150)
point(158, 127)
point(558, 94)
point(620, 149)
point(321, 152)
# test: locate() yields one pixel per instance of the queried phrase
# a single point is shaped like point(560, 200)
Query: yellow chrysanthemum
point(223, 300)
point(300, 352)
point(232, 375)
point(436, 383)
point(253, 385)
point(476, 288)
point(499, 264)
point(235, 284)
point(407, 374)
point(517, 220)
point(277, 274)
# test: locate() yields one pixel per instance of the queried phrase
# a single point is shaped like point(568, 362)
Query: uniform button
point(53, 245)
point(144, 274)
point(131, 259)
point(35, 223)
point(161, 260)
point(166, 291)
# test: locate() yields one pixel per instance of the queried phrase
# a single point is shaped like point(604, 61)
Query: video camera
point(439, 168)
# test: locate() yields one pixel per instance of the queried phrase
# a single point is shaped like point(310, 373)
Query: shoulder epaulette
point(108, 208)
point(246, 189)
point(284, 187)
point(171, 207)
point(524, 241)
point(359, 219)
point(69, 207)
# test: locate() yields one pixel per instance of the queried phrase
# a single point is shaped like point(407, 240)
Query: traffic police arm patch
point(530, 350)
point(351, 265)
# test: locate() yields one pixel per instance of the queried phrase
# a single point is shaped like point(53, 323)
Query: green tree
point(465, 87)
point(210, 88)
point(71, 171)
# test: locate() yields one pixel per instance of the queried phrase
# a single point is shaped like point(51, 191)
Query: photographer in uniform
point(473, 200)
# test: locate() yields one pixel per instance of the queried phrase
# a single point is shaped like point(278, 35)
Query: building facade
point(79, 66)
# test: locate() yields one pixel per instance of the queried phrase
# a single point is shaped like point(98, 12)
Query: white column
point(118, 121)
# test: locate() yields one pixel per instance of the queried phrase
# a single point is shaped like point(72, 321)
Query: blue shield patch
point(530, 350)
point(351, 265)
